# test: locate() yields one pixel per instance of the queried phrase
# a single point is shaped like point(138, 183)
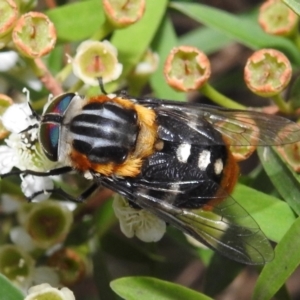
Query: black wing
point(239, 127)
point(222, 225)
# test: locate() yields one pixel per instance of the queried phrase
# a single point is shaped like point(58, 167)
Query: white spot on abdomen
point(183, 152)
point(218, 166)
point(204, 160)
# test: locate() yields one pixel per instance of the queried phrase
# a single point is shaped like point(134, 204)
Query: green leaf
point(164, 41)
point(147, 288)
point(272, 215)
point(276, 273)
point(78, 20)
point(133, 41)
point(8, 291)
point(207, 39)
point(281, 176)
point(246, 31)
point(294, 5)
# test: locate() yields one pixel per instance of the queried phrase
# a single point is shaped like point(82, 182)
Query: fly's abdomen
point(104, 132)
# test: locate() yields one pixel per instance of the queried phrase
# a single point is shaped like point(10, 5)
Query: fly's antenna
point(101, 85)
point(34, 114)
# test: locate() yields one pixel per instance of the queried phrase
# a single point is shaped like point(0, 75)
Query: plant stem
point(219, 98)
point(282, 105)
point(103, 31)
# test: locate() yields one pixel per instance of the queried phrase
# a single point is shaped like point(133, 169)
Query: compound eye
point(60, 104)
point(49, 133)
point(49, 139)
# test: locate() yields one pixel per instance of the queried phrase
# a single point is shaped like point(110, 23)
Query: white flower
point(47, 292)
point(8, 60)
point(22, 239)
point(18, 117)
point(22, 149)
point(139, 222)
point(96, 59)
point(9, 203)
point(148, 64)
point(32, 184)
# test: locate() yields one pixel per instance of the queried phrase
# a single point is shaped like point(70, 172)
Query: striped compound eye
point(49, 133)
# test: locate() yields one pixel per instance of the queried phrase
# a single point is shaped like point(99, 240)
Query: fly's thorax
point(110, 137)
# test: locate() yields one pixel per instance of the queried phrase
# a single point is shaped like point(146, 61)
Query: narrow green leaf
point(78, 20)
point(276, 273)
point(294, 5)
point(147, 288)
point(8, 291)
point(133, 41)
point(164, 41)
point(281, 177)
point(246, 31)
point(272, 215)
point(207, 39)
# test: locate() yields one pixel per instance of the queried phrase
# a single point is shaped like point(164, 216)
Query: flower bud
point(267, 72)
point(34, 35)
point(69, 264)
point(241, 153)
point(16, 265)
point(95, 59)
point(277, 18)
point(9, 16)
point(290, 152)
point(124, 13)
point(187, 68)
point(48, 223)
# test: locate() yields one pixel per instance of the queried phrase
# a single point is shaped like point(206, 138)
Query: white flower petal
point(45, 290)
point(8, 60)
point(110, 47)
point(21, 238)
point(85, 46)
point(139, 222)
point(32, 184)
point(115, 75)
point(152, 228)
point(18, 117)
point(68, 294)
point(38, 288)
point(8, 159)
point(9, 204)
